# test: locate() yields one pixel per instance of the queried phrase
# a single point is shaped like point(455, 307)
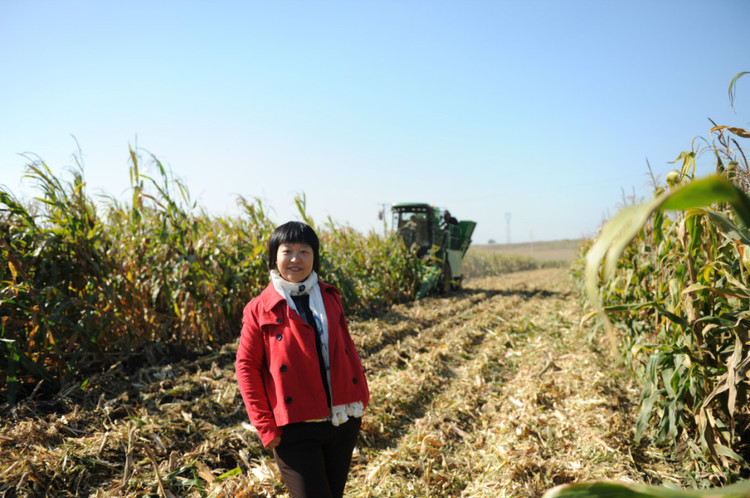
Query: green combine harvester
point(439, 237)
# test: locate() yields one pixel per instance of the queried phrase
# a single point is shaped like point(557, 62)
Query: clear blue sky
point(546, 110)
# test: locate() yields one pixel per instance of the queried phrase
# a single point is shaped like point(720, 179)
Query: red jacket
point(277, 363)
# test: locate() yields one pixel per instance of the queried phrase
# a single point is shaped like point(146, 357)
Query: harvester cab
point(438, 237)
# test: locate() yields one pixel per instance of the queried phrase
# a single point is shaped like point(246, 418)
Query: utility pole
point(381, 216)
point(531, 244)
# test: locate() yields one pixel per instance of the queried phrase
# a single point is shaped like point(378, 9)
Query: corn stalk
point(83, 287)
point(677, 288)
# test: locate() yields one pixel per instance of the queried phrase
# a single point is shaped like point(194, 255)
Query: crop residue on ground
point(489, 391)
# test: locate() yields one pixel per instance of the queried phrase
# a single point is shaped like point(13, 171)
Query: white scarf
point(309, 286)
point(287, 289)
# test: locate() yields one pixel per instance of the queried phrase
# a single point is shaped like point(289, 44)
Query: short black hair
point(293, 232)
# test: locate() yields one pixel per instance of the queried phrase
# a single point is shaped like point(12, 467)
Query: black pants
point(314, 457)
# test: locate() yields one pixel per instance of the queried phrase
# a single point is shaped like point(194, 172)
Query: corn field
point(120, 321)
point(673, 299)
point(85, 285)
point(487, 391)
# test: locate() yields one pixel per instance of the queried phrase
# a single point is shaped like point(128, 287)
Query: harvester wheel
point(456, 283)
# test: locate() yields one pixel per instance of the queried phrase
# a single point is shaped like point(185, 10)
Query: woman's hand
point(274, 443)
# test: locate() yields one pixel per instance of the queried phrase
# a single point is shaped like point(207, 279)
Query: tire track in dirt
point(490, 391)
point(438, 376)
point(485, 393)
point(409, 372)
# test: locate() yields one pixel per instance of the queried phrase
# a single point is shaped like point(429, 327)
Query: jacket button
point(278, 337)
point(278, 320)
point(288, 400)
point(354, 379)
point(283, 368)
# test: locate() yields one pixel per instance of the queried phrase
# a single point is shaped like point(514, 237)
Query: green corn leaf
point(730, 229)
point(17, 360)
point(230, 473)
point(647, 404)
point(625, 225)
point(601, 489)
point(658, 228)
point(695, 229)
point(707, 191)
point(733, 85)
point(722, 291)
point(630, 307)
point(609, 246)
point(688, 164)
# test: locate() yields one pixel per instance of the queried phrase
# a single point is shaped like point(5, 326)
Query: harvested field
point(489, 391)
point(556, 250)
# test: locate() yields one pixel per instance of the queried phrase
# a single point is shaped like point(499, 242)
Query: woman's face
point(295, 261)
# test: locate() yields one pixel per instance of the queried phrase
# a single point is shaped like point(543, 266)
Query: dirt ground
point(493, 390)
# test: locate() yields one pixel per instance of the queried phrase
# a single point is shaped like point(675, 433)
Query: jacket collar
point(270, 298)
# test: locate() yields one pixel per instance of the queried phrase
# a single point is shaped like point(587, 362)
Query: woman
point(299, 373)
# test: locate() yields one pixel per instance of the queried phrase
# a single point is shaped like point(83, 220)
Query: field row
point(489, 391)
point(493, 391)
